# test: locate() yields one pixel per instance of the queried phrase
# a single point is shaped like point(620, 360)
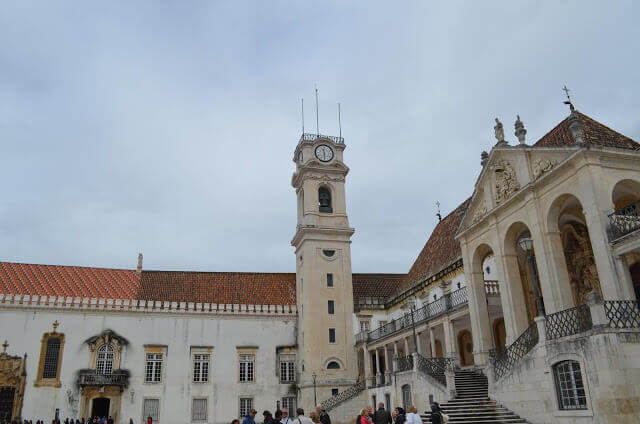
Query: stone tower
point(323, 270)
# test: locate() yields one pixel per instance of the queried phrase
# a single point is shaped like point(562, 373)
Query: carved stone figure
point(580, 262)
point(506, 180)
point(499, 131)
point(540, 166)
point(12, 383)
point(480, 212)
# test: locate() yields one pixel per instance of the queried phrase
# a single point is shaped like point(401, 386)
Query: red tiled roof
point(176, 286)
point(375, 285)
point(441, 249)
point(73, 281)
point(594, 133)
point(219, 287)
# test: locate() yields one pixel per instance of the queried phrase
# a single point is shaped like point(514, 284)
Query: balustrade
point(624, 221)
point(568, 322)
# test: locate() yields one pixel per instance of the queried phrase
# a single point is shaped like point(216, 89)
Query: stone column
point(378, 373)
point(549, 288)
point(450, 339)
point(406, 347)
point(514, 310)
point(387, 366)
point(479, 315)
point(562, 283)
point(395, 356)
point(624, 276)
point(367, 369)
point(419, 340)
point(432, 338)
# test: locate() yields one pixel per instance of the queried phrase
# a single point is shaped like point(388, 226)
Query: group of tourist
point(399, 415)
point(94, 420)
point(319, 416)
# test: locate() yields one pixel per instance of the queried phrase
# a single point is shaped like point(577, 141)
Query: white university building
point(522, 305)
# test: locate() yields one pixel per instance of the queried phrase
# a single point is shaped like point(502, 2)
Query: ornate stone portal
point(12, 383)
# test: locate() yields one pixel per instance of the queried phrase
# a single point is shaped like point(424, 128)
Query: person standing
point(364, 416)
point(300, 418)
point(249, 418)
point(322, 415)
point(399, 416)
point(285, 416)
point(412, 416)
point(149, 420)
point(436, 414)
point(382, 416)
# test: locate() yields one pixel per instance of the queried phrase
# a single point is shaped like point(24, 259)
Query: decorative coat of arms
point(540, 166)
point(506, 180)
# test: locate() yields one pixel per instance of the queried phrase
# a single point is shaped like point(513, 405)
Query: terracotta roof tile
point(595, 133)
point(441, 249)
point(375, 285)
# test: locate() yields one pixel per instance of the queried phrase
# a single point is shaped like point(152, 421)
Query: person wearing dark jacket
point(382, 416)
point(400, 416)
point(436, 414)
point(324, 417)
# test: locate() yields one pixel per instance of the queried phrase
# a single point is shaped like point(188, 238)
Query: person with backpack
point(437, 417)
point(382, 416)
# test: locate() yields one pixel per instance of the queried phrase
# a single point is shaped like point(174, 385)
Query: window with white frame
point(289, 403)
point(199, 409)
point(246, 405)
point(364, 325)
point(153, 372)
point(104, 360)
point(201, 367)
point(287, 368)
point(569, 386)
point(247, 368)
point(151, 408)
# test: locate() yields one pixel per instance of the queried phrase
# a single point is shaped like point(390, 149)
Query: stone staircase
point(472, 403)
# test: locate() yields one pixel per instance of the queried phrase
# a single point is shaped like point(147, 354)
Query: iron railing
point(312, 137)
point(90, 377)
point(344, 396)
point(404, 363)
point(435, 367)
point(568, 322)
point(622, 313)
point(504, 359)
point(624, 221)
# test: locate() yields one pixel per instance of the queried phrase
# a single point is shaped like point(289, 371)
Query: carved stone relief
point(540, 166)
point(480, 212)
point(581, 264)
point(506, 180)
point(12, 382)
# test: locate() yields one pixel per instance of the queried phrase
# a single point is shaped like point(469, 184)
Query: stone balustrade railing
point(144, 306)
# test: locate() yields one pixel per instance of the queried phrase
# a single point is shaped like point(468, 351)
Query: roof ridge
point(67, 266)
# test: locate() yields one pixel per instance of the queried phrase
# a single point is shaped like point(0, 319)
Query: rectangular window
point(364, 326)
point(332, 335)
point(329, 280)
point(199, 410)
point(51, 358)
point(334, 392)
point(151, 408)
point(200, 368)
point(287, 368)
point(289, 403)
point(569, 385)
point(153, 372)
point(331, 307)
point(246, 405)
point(247, 370)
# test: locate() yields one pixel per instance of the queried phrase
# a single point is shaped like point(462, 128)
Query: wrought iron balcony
point(624, 221)
point(313, 137)
point(89, 377)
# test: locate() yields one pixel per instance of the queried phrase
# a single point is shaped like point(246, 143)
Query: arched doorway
point(465, 346)
point(406, 396)
point(499, 333)
point(100, 407)
point(634, 270)
point(439, 353)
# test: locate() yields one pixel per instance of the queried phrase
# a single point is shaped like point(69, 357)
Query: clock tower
point(326, 353)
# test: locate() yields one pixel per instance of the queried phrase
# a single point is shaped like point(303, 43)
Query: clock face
point(324, 153)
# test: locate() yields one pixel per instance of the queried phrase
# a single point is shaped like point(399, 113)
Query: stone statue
point(499, 130)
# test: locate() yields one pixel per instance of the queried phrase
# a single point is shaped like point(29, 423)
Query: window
point(287, 368)
point(324, 200)
point(459, 285)
point(50, 358)
point(328, 253)
point(289, 402)
point(199, 409)
point(151, 408)
point(330, 306)
point(364, 326)
point(104, 362)
point(247, 363)
point(435, 296)
point(333, 365)
point(246, 405)
point(569, 386)
point(332, 335)
point(200, 368)
point(334, 392)
point(406, 396)
point(153, 373)
point(329, 280)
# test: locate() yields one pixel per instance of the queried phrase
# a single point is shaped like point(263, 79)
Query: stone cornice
point(309, 231)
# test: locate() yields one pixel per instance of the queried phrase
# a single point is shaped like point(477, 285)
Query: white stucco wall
point(23, 330)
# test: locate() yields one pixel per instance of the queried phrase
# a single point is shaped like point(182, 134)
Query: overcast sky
point(169, 127)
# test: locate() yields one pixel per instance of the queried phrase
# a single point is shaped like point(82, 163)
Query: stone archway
point(12, 381)
point(499, 333)
point(465, 347)
point(581, 265)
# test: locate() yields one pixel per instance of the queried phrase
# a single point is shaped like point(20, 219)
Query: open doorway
point(100, 407)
